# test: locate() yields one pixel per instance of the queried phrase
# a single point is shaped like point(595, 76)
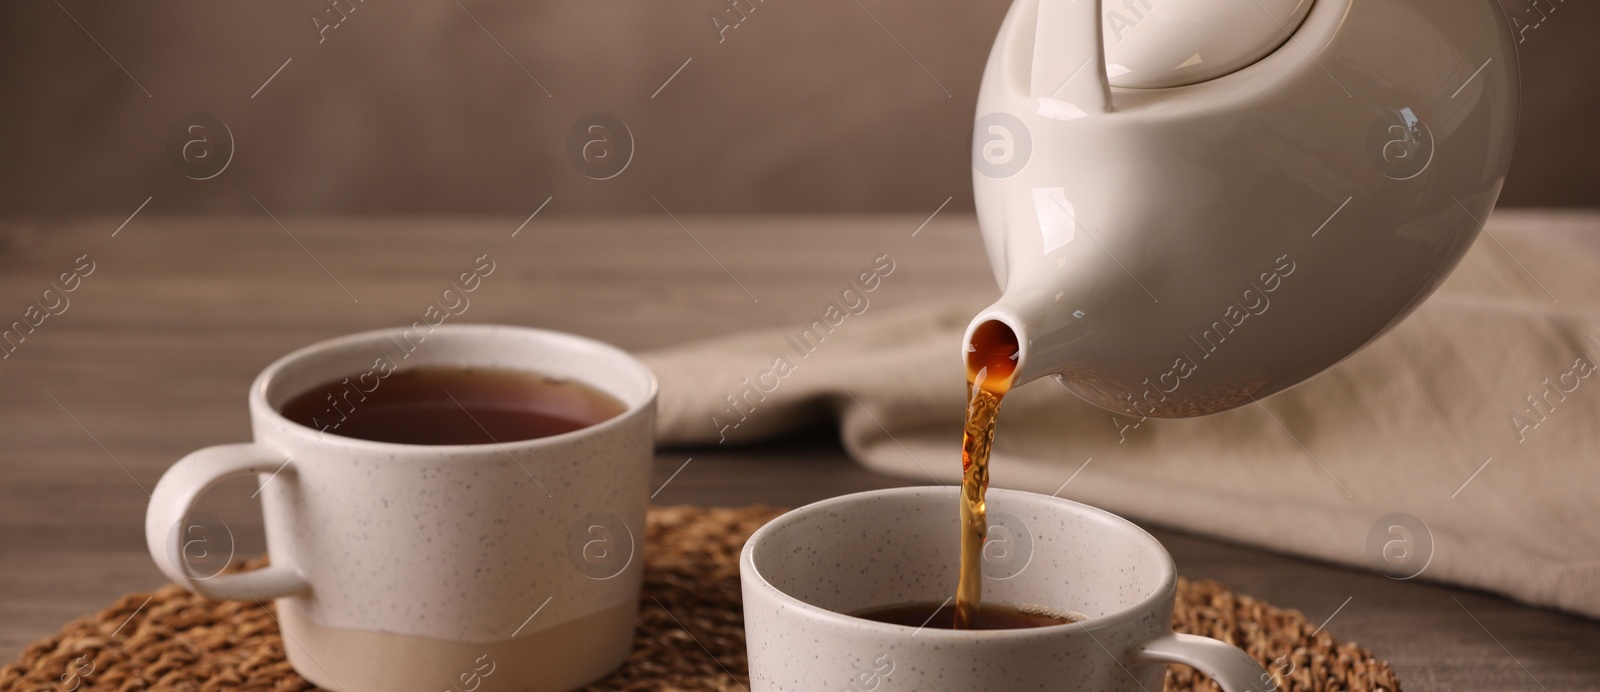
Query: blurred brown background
point(412, 107)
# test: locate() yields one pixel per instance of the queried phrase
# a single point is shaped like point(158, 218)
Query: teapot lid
point(1154, 44)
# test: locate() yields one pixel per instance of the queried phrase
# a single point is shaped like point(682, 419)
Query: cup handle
point(1229, 665)
point(169, 507)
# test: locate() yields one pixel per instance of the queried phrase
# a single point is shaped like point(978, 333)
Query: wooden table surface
point(153, 356)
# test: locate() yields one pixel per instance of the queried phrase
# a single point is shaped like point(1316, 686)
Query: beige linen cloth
point(1477, 416)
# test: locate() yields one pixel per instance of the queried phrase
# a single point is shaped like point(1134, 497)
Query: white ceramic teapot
point(1194, 203)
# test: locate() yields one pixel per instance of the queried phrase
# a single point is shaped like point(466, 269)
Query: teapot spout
point(1016, 324)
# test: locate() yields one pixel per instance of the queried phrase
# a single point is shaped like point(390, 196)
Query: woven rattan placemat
point(690, 631)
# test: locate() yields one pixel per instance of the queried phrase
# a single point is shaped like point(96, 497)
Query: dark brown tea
point(989, 617)
point(450, 406)
point(991, 365)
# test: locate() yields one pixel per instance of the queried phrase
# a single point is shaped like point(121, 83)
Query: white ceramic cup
point(441, 567)
point(804, 572)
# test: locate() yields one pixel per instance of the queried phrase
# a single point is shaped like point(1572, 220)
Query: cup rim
point(1124, 617)
point(264, 380)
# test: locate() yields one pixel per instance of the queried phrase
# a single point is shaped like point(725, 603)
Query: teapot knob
point(1083, 48)
point(1069, 62)
point(1157, 44)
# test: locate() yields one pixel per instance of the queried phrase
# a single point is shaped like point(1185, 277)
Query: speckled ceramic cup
point(806, 570)
point(452, 567)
